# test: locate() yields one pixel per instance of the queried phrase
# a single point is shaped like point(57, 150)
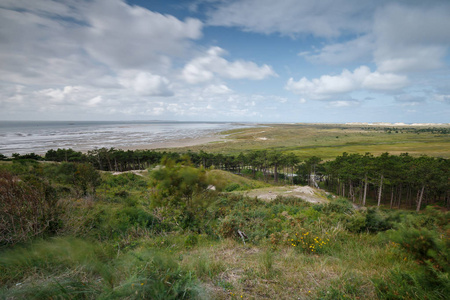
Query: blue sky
point(215, 60)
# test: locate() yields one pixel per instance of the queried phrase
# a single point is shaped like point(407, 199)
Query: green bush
point(154, 276)
point(29, 208)
point(232, 187)
point(413, 285)
point(132, 216)
point(430, 279)
point(191, 241)
point(376, 221)
point(356, 223)
point(340, 205)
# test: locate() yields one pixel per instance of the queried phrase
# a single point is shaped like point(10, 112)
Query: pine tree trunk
point(420, 198)
point(399, 196)
point(275, 176)
point(392, 197)
point(365, 190)
point(380, 190)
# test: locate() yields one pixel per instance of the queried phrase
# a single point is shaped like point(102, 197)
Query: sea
point(40, 136)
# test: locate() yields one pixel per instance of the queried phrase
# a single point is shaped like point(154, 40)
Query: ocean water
point(40, 136)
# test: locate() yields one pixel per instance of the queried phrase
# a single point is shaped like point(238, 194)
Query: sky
point(328, 61)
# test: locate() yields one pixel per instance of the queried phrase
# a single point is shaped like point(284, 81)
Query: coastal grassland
point(329, 141)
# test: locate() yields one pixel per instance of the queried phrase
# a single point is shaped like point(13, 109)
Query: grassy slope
point(223, 179)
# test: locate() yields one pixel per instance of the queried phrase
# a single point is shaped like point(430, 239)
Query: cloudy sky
point(222, 60)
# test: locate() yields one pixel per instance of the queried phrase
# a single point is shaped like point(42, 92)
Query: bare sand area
point(168, 144)
point(306, 193)
point(185, 142)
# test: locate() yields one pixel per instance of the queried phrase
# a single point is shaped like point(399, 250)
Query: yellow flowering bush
point(308, 242)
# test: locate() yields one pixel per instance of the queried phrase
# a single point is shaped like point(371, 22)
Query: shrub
point(356, 223)
point(28, 208)
point(132, 216)
point(430, 279)
point(157, 276)
point(308, 242)
point(191, 240)
point(232, 187)
point(340, 205)
point(376, 221)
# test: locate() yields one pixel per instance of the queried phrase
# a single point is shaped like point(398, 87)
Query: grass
point(186, 264)
point(329, 141)
point(225, 180)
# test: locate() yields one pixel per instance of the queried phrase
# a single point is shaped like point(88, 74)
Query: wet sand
point(186, 142)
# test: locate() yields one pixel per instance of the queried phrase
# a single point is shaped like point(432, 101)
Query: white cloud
point(442, 98)
point(204, 68)
point(327, 18)
point(400, 37)
point(66, 96)
point(95, 101)
point(411, 38)
point(359, 49)
point(87, 42)
point(409, 100)
point(145, 83)
point(384, 81)
point(44, 7)
point(217, 89)
point(344, 103)
point(117, 28)
point(328, 86)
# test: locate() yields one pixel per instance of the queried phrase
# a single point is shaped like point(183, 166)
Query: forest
point(396, 180)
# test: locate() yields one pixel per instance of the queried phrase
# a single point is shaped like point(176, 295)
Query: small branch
point(242, 235)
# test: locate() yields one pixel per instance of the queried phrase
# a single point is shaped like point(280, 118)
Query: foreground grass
point(118, 245)
point(166, 268)
point(293, 249)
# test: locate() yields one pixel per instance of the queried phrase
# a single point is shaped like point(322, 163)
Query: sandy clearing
point(306, 193)
point(136, 172)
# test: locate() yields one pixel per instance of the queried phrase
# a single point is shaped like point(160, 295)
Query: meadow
point(179, 230)
point(330, 140)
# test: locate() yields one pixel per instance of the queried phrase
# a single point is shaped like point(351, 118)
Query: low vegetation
point(183, 231)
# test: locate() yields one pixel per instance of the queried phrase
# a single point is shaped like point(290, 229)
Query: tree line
point(394, 180)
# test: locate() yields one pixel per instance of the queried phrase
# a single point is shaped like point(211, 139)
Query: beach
point(39, 137)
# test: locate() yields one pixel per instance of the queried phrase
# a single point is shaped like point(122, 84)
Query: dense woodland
point(396, 181)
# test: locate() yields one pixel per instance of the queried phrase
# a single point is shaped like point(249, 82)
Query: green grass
point(329, 141)
point(224, 180)
point(184, 263)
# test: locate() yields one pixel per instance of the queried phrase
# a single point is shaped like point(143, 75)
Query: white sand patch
point(306, 193)
point(305, 189)
point(136, 172)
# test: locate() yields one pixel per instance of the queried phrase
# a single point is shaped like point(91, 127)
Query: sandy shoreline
point(169, 144)
point(185, 142)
